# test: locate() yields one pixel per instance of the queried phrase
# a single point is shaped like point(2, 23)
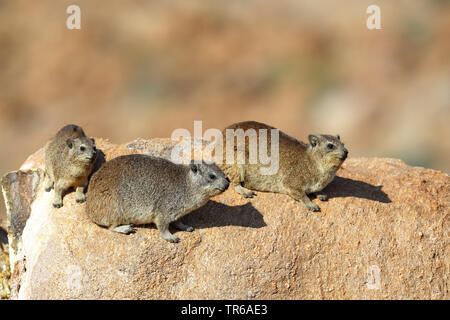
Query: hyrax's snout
point(344, 154)
point(223, 184)
point(91, 153)
point(94, 153)
point(227, 184)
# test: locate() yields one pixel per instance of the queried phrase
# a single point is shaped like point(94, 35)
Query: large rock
point(383, 234)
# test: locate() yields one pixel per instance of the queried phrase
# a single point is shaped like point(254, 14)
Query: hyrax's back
point(303, 168)
point(127, 188)
point(290, 151)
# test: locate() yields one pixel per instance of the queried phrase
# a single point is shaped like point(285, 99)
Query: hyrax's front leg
point(243, 191)
point(236, 174)
point(57, 201)
point(80, 195)
point(48, 182)
point(303, 198)
point(163, 228)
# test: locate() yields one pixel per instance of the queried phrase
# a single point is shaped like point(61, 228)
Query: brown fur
point(69, 159)
point(141, 189)
point(303, 168)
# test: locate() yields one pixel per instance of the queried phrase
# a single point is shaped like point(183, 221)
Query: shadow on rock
point(344, 187)
point(215, 214)
point(99, 161)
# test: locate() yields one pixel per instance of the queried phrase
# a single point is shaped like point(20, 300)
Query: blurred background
point(144, 68)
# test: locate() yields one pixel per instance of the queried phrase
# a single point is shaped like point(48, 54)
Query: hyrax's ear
point(69, 143)
point(338, 137)
point(93, 140)
point(193, 166)
point(313, 139)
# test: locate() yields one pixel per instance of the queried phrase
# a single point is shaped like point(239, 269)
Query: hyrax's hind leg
point(163, 228)
point(322, 196)
point(125, 228)
point(183, 227)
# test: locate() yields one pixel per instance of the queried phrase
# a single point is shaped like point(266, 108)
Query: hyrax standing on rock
point(141, 189)
point(69, 159)
point(303, 168)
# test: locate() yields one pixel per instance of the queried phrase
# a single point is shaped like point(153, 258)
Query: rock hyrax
point(69, 159)
point(303, 168)
point(142, 189)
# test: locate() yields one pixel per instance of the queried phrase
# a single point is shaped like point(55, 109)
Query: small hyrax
point(69, 159)
point(303, 168)
point(142, 189)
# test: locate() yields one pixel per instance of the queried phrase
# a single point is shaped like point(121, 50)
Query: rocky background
point(144, 68)
point(383, 234)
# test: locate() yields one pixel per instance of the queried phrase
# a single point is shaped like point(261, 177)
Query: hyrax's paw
point(184, 227)
point(171, 238)
point(57, 205)
point(126, 229)
point(312, 206)
point(322, 197)
point(80, 197)
point(80, 200)
point(246, 193)
point(249, 194)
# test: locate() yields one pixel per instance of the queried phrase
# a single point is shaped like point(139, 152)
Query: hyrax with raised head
point(142, 189)
point(69, 159)
point(303, 168)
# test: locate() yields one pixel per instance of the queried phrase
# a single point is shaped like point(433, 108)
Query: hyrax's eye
point(212, 176)
point(82, 148)
point(330, 146)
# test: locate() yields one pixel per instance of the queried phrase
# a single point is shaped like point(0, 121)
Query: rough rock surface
point(383, 234)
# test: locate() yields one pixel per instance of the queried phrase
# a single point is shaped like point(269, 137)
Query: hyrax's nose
point(345, 152)
point(227, 183)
